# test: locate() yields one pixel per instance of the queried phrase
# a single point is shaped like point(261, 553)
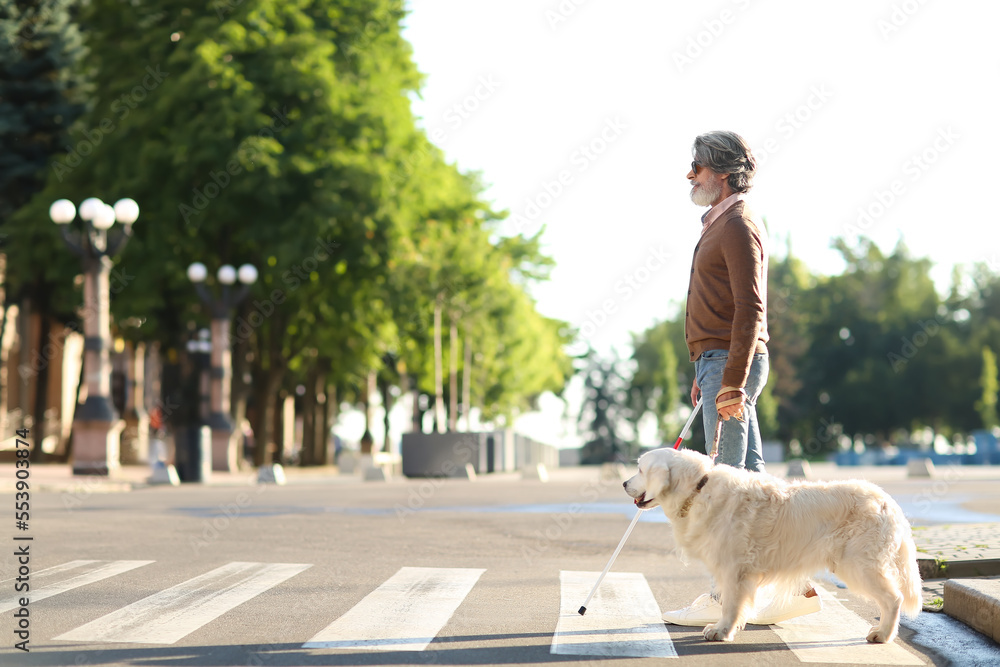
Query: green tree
point(988, 384)
point(41, 93)
point(788, 294)
point(877, 337)
point(604, 411)
point(654, 387)
point(973, 307)
point(41, 96)
point(286, 158)
point(455, 274)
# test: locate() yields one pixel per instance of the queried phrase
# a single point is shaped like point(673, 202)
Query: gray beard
point(705, 195)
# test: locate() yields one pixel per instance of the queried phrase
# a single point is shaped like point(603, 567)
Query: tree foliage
point(605, 410)
point(280, 134)
point(872, 353)
point(41, 93)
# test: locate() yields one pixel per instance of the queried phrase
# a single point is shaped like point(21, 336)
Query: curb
point(975, 602)
point(932, 568)
point(957, 551)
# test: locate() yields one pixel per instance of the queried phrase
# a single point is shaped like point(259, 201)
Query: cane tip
point(583, 610)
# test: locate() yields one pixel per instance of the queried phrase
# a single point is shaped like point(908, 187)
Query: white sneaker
point(779, 610)
point(704, 610)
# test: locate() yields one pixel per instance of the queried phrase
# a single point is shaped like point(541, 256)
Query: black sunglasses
point(695, 167)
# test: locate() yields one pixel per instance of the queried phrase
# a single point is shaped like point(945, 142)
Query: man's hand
point(695, 392)
point(734, 410)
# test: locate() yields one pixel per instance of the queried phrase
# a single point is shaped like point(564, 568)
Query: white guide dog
point(751, 529)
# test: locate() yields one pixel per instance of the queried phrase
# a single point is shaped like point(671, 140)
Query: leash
point(718, 421)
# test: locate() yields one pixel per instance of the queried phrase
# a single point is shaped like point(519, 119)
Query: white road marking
point(167, 616)
point(622, 620)
point(405, 613)
point(837, 635)
point(40, 590)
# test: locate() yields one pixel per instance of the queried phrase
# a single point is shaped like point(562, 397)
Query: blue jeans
point(739, 443)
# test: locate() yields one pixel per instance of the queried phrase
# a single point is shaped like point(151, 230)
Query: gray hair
point(726, 153)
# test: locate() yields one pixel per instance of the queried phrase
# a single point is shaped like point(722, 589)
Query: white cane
point(635, 519)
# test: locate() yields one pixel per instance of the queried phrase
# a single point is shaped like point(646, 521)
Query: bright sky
point(884, 106)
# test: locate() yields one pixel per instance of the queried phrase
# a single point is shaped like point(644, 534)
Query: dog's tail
point(909, 575)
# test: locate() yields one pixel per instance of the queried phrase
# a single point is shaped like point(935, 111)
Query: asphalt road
point(407, 572)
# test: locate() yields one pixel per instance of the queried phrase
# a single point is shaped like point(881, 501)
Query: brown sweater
point(727, 296)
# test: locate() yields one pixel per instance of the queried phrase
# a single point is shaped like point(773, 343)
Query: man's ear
point(657, 480)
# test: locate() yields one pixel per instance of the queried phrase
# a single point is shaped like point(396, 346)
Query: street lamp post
point(225, 439)
point(96, 425)
point(193, 454)
point(200, 349)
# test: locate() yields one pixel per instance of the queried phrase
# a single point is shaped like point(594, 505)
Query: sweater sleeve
point(743, 251)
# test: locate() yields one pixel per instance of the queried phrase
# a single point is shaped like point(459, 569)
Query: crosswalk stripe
point(104, 570)
point(167, 616)
point(837, 635)
point(405, 613)
point(622, 620)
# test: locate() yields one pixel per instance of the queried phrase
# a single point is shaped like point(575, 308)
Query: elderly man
point(726, 320)
point(726, 330)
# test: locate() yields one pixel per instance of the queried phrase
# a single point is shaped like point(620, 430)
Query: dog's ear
point(657, 478)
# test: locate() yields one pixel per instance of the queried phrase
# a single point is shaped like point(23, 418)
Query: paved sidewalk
point(55, 477)
point(958, 550)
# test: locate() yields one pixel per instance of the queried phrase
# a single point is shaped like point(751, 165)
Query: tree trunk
point(266, 389)
point(309, 413)
point(41, 383)
point(453, 374)
point(368, 388)
point(466, 384)
point(4, 347)
point(68, 454)
point(320, 432)
point(404, 387)
point(418, 414)
point(240, 388)
point(387, 406)
point(277, 401)
point(6, 342)
point(330, 412)
point(265, 430)
point(24, 351)
point(438, 371)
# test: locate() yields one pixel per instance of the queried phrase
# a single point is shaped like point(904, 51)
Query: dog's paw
point(715, 633)
point(877, 636)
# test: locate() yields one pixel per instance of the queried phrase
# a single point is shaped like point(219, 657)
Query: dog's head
point(663, 472)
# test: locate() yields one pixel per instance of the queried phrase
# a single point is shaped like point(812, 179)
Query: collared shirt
point(713, 213)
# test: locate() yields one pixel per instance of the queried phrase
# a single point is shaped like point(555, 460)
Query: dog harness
point(686, 507)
